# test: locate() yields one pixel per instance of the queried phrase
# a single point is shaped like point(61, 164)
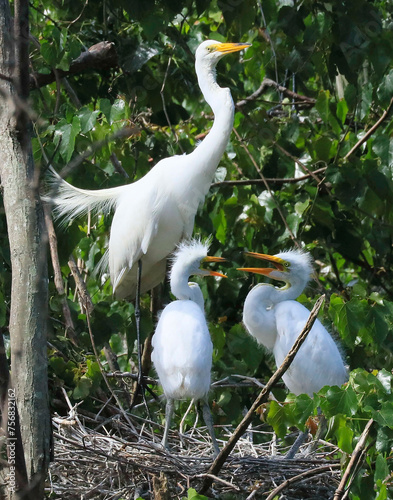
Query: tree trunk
point(27, 240)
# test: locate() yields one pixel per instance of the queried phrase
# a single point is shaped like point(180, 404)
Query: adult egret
point(182, 348)
point(275, 319)
point(153, 214)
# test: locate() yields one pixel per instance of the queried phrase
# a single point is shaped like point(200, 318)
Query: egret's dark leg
point(207, 417)
point(140, 383)
point(168, 418)
point(296, 445)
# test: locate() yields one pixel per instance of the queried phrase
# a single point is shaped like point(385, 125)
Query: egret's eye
point(286, 264)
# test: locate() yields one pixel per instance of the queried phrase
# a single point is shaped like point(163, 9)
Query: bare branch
point(370, 131)
point(356, 455)
point(101, 56)
point(308, 102)
point(299, 477)
point(263, 396)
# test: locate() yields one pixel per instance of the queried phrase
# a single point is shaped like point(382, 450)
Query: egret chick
point(182, 347)
point(274, 318)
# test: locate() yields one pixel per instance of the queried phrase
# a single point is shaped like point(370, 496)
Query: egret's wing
point(134, 226)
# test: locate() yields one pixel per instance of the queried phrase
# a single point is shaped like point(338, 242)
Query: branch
point(263, 396)
point(270, 180)
point(299, 477)
point(357, 452)
point(267, 83)
point(370, 131)
point(101, 56)
point(58, 280)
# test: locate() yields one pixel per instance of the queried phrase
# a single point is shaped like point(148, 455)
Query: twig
point(370, 131)
point(58, 280)
point(263, 396)
point(101, 56)
point(299, 477)
point(266, 83)
point(120, 406)
point(354, 459)
point(81, 286)
point(270, 180)
point(298, 162)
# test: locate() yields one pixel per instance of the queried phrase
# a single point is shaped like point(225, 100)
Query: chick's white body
point(182, 347)
point(318, 361)
point(183, 350)
point(275, 320)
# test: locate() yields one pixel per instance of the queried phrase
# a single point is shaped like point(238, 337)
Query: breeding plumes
point(182, 347)
point(153, 214)
point(275, 319)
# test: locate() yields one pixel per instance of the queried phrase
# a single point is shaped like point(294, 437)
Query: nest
point(121, 458)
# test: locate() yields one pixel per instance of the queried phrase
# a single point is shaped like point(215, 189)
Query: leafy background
point(338, 54)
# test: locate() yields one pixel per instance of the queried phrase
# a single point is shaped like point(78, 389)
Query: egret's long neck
point(220, 100)
point(182, 289)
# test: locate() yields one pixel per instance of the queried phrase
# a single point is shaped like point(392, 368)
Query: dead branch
point(263, 396)
point(81, 286)
point(100, 57)
point(356, 455)
point(370, 131)
point(58, 280)
point(299, 477)
point(269, 180)
point(308, 102)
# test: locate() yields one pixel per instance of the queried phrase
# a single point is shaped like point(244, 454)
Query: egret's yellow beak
point(279, 264)
point(227, 48)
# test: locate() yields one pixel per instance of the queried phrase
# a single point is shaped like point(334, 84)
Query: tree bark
point(27, 240)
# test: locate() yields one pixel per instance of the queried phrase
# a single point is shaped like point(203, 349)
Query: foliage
point(340, 56)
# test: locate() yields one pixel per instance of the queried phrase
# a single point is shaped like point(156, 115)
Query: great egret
point(153, 214)
point(275, 319)
point(182, 348)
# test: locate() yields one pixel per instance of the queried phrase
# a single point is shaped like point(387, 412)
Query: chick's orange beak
point(257, 270)
point(210, 258)
point(277, 262)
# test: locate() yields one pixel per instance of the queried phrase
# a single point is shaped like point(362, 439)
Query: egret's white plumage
point(153, 214)
point(182, 347)
point(275, 319)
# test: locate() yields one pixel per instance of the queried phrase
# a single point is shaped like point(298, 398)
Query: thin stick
point(120, 406)
point(370, 131)
point(263, 396)
point(299, 477)
point(270, 180)
point(58, 280)
point(354, 459)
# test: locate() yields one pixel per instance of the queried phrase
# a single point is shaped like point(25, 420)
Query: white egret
point(275, 319)
point(154, 213)
point(182, 347)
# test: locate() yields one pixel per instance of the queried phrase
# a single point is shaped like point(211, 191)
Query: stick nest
point(122, 459)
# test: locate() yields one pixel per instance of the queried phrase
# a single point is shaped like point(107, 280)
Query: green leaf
point(117, 111)
point(334, 400)
point(87, 119)
point(277, 418)
point(322, 105)
point(194, 495)
point(65, 135)
point(384, 416)
point(82, 389)
point(342, 110)
point(381, 468)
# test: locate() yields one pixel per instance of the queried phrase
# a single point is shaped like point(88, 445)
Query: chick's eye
point(286, 264)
